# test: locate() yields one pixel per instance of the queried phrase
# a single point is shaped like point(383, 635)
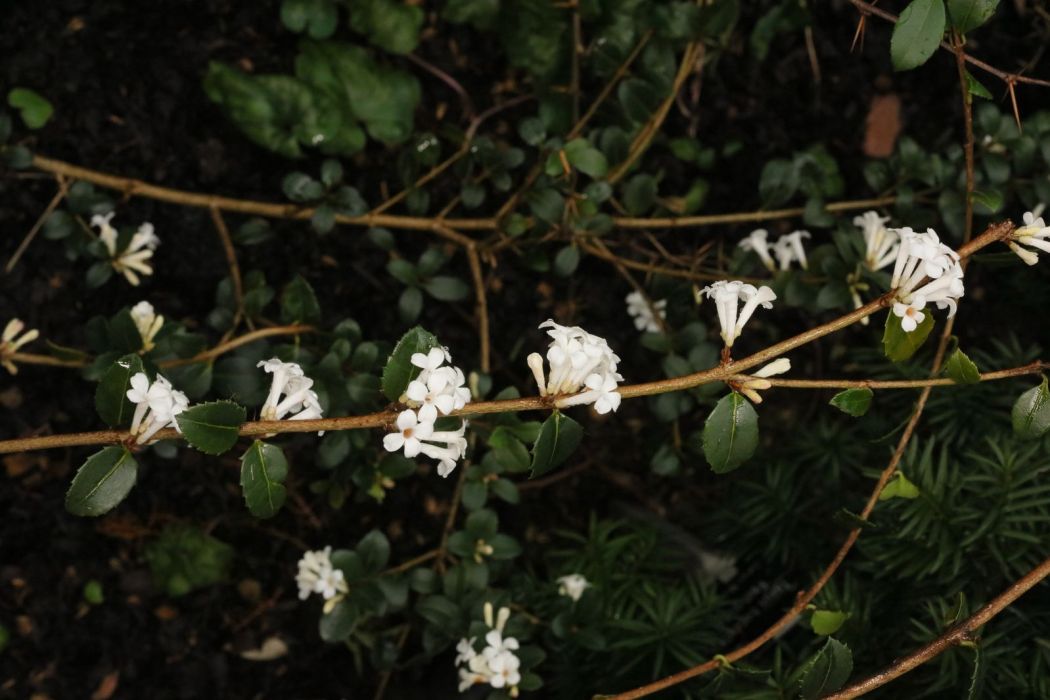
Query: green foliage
point(961, 369)
point(853, 402)
point(212, 427)
point(102, 482)
point(1031, 412)
point(967, 15)
point(898, 344)
point(299, 303)
point(34, 109)
point(111, 399)
point(558, 438)
point(184, 558)
point(827, 671)
point(392, 25)
point(399, 370)
point(730, 433)
point(318, 18)
point(263, 471)
point(917, 34)
point(827, 622)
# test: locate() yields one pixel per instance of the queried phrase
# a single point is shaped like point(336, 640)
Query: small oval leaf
point(399, 369)
point(263, 471)
point(111, 395)
point(1031, 413)
point(730, 433)
point(899, 345)
point(212, 427)
point(917, 34)
point(961, 369)
point(854, 402)
point(559, 437)
point(102, 482)
point(827, 622)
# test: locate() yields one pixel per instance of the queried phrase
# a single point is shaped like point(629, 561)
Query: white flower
point(10, 342)
point(642, 313)
point(727, 296)
point(880, 242)
point(1033, 234)
point(921, 256)
point(417, 436)
point(148, 322)
point(409, 435)
point(437, 389)
point(719, 567)
point(132, 260)
point(759, 381)
point(290, 383)
point(317, 575)
point(572, 586)
point(496, 665)
point(156, 405)
point(788, 248)
point(757, 241)
point(431, 360)
point(578, 360)
point(777, 366)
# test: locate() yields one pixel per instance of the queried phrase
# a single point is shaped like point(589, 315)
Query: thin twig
point(63, 188)
point(967, 100)
point(235, 269)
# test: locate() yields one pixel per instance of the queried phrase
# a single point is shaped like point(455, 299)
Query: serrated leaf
point(263, 471)
point(559, 437)
point(299, 303)
point(967, 15)
point(212, 427)
point(730, 433)
point(854, 402)
point(827, 671)
point(1031, 413)
point(102, 482)
point(898, 344)
point(399, 369)
point(961, 369)
point(111, 399)
point(827, 622)
point(917, 34)
point(978, 675)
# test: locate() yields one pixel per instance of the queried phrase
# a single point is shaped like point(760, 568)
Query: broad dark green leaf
point(318, 18)
point(212, 427)
point(730, 433)
point(299, 303)
point(102, 482)
point(546, 204)
point(559, 437)
point(917, 34)
point(336, 626)
point(961, 369)
point(445, 288)
point(111, 395)
point(1031, 413)
point(263, 471)
point(392, 25)
point(585, 158)
point(399, 369)
point(827, 671)
point(639, 194)
point(898, 344)
point(33, 107)
point(827, 622)
point(967, 15)
point(854, 402)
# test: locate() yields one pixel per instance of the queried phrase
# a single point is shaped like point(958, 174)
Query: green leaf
point(585, 158)
point(445, 288)
point(967, 15)
point(961, 369)
point(974, 87)
point(392, 25)
point(898, 344)
point(410, 304)
point(988, 202)
point(639, 194)
point(827, 671)
point(102, 482)
point(184, 558)
point(566, 261)
point(318, 18)
point(559, 437)
point(979, 673)
point(730, 433)
point(263, 471)
point(778, 182)
point(917, 34)
point(854, 402)
point(111, 399)
point(1031, 413)
point(212, 427)
point(546, 204)
point(827, 622)
point(399, 369)
point(899, 487)
point(299, 303)
point(34, 109)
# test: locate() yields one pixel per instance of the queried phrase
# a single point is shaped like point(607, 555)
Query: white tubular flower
point(317, 575)
point(132, 261)
point(880, 242)
point(727, 296)
point(416, 436)
point(496, 665)
point(642, 312)
point(572, 586)
point(1033, 234)
point(921, 256)
point(578, 360)
point(788, 248)
point(409, 435)
point(438, 389)
point(758, 242)
point(289, 382)
point(12, 339)
point(759, 381)
point(156, 405)
point(148, 322)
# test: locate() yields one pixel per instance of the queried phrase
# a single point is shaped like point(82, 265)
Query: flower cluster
point(787, 249)
point(436, 391)
point(299, 398)
point(578, 360)
point(1034, 234)
point(496, 664)
point(727, 296)
point(132, 260)
point(156, 405)
point(10, 342)
point(880, 243)
point(317, 575)
point(644, 313)
point(759, 381)
point(148, 321)
point(922, 256)
point(573, 586)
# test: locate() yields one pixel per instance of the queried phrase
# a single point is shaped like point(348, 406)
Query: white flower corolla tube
point(578, 361)
point(156, 405)
point(727, 296)
point(572, 586)
point(496, 665)
point(759, 381)
point(317, 575)
point(1034, 234)
point(643, 313)
point(439, 389)
point(758, 243)
point(880, 243)
point(921, 257)
point(133, 260)
point(414, 436)
point(148, 322)
point(788, 249)
point(290, 395)
point(14, 337)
